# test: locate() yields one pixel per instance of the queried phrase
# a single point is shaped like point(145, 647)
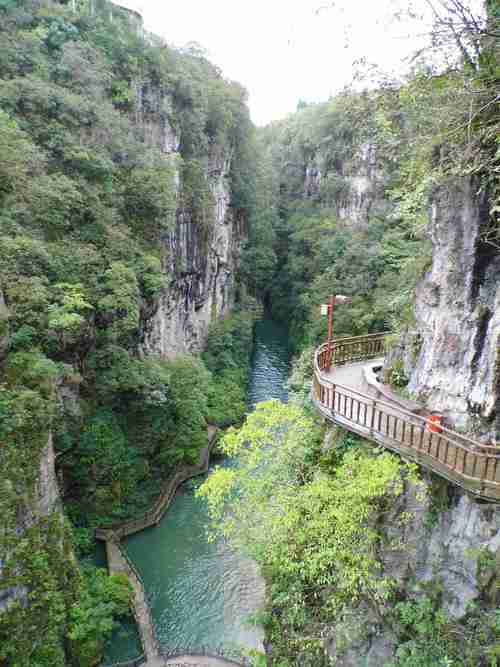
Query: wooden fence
point(115, 532)
point(461, 460)
point(153, 516)
point(351, 349)
point(221, 653)
point(134, 662)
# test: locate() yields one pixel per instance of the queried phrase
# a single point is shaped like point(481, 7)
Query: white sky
point(283, 50)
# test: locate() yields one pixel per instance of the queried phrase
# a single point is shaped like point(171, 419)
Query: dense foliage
point(87, 195)
point(228, 356)
point(348, 184)
point(342, 203)
point(315, 519)
point(308, 519)
point(66, 606)
point(336, 196)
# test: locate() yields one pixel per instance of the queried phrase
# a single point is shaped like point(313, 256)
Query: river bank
point(200, 593)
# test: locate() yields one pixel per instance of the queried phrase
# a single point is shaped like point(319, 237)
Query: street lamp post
point(327, 309)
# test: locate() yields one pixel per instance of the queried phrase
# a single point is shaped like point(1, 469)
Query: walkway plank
point(117, 563)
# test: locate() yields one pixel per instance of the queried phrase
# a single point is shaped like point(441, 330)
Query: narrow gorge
point(163, 269)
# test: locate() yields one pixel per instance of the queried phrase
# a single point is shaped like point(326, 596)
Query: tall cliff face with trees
point(124, 172)
point(128, 182)
point(389, 196)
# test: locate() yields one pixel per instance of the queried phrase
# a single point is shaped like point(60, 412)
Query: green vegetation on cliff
point(53, 604)
point(308, 519)
point(87, 195)
point(335, 197)
point(348, 184)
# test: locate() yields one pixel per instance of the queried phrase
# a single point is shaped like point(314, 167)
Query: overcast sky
point(284, 50)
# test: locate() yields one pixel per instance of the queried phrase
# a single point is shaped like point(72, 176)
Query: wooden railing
point(114, 533)
point(133, 662)
point(469, 464)
point(154, 515)
point(349, 350)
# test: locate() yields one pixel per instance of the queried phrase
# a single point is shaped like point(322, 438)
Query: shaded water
point(200, 593)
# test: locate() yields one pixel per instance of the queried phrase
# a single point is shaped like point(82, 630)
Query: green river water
point(201, 593)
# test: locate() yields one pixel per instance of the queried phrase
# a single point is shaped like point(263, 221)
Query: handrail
point(397, 408)
point(453, 455)
point(154, 514)
point(115, 532)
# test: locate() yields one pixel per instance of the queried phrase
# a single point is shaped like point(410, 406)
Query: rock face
point(4, 326)
point(200, 268)
point(199, 262)
point(453, 363)
point(356, 189)
point(42, 503)
point(456, 547)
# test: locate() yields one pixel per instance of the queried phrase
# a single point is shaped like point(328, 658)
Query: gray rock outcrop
point(455, 547)
point(453, 362)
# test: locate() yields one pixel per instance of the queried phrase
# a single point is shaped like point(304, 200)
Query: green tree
point(92, 617)
point(312, 530)
point(106, 465)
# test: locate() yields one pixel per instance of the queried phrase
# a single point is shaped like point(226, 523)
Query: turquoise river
point(201, 593)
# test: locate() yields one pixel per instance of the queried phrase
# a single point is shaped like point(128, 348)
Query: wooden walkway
point(153, 516)
point(340, 394)
point(119, 563)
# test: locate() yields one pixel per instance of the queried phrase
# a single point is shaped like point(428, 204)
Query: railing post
point(372, 420)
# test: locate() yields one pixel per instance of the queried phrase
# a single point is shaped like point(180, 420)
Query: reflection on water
point(201, 593)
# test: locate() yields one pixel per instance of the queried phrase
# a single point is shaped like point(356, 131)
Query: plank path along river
point(201, 593)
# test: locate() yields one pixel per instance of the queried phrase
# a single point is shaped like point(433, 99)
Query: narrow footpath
point(347, 392)
point(118, 564)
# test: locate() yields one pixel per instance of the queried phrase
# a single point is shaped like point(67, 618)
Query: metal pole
point(330, 328)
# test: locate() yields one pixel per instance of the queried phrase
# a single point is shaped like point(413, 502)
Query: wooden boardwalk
point(340, 394)
point(119, 563)
point(154, 515)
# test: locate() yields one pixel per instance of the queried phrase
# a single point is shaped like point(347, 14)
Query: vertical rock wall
point(200, 274)
point(199, 263)
point(355, 187)
point(456, 550)
point(453, 361)
point(39, 505)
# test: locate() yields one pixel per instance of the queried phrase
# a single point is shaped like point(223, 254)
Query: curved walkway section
point(338, 394)
point(119, 562)
point(155, 514)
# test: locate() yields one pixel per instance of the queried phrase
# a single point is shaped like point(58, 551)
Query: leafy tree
point(86, 197)
point(313, 532)
point(119, 303)
point(106, 464)
point(19, 158)
point(92, 616)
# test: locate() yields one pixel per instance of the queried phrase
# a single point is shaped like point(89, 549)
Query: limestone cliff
point(355, 187)
point(200, 266)
point(452, 356)
point(199, 261)
point(43, 503)
point(450, 544)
